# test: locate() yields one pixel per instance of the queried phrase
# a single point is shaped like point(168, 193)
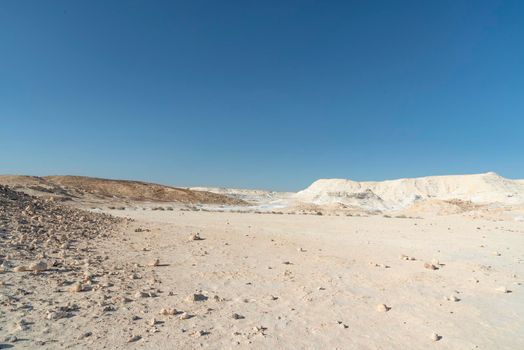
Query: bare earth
point(298, 281)
point(253, 280)
point(322, 272)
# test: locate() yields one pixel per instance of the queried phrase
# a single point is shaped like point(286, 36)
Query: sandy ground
point(265, 281)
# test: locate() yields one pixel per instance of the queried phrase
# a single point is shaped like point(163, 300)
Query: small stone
point(57, 315)
point(196, 297)
point(126, 300)
point(85, 335)
point(237, 316)
point(184, 316)
point(134, 338)
point(141, 294)
point(109, 308)
point(11, 339)
point(430, 266)
point(21, 325)
point(435, 336)
point(195, 237)
point(342, 324)
point(155, 262)
point(38, 266)
point(218, 298)
point(87, 278)
point(20, 268)
point(168, 311)
point(77, 287)
point(453, 298)
point(152, 322)
point(199, 333)
point(383, 308)
point(503, 289)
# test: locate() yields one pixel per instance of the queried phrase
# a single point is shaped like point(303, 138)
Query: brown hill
point(71, 187)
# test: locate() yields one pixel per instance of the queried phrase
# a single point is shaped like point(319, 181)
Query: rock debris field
point(148, 279)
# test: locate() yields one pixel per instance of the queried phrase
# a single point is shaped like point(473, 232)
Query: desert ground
point(95, 266)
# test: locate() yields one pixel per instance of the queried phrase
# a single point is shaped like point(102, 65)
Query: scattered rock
point(342, 324)
point(406, 257)
point(435, 337)
point(168, 311)
point(380, 265)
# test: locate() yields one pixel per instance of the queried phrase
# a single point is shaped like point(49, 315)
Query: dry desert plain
point(137, 274)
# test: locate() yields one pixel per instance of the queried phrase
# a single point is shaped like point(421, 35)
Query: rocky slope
point(48, 252)
point(81, 187)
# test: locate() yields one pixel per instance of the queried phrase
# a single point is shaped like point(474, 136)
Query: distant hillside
point(393, 194)
point(71, 187)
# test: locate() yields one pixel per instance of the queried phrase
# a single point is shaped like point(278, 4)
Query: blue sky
point(261, 94)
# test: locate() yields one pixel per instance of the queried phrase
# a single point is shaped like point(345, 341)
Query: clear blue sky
point(261, 94)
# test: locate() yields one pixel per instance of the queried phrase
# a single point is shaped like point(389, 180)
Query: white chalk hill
point(488, 188)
